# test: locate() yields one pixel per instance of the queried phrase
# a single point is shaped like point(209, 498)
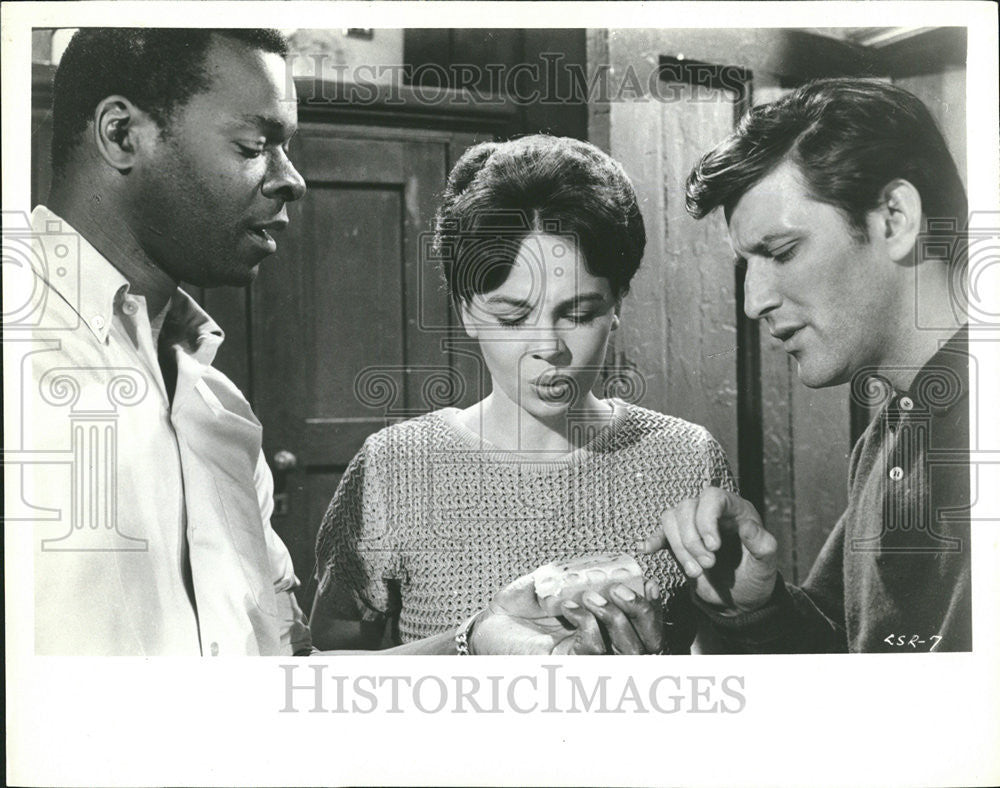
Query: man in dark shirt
point(845, 205)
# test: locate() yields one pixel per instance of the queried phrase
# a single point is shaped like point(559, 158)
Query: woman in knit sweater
point(539, 239)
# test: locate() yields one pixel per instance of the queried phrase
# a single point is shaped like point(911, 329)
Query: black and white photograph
point(467, 333)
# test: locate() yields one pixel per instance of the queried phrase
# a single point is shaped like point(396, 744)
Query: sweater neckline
point(543, 461)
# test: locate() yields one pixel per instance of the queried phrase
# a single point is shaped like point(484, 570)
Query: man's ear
point(465, 315)
point(121, 130)
point(900, 214)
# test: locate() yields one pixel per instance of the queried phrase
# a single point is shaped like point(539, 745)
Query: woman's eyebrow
point(509, 301)
point(519, 303)
point(584, 299)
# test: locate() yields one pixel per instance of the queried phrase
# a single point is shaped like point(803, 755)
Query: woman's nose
point(553, 350)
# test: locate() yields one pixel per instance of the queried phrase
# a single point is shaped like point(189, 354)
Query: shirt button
point(98, 322)
point(896, 474)
point(215, 649)
point(906, 403)
point(129, 307)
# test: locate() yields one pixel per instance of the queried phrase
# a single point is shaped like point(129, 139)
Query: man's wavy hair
point(500, 192)
point(157, 69)
point(849, 138)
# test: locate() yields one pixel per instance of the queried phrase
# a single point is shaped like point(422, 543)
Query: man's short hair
point(157, 69)
point(500, 192)
point(848, 138)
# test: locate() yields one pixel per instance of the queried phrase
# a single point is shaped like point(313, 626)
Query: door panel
point(348, 321)
point(355, 280)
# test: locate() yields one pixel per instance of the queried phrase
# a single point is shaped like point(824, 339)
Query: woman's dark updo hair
point(500, 192)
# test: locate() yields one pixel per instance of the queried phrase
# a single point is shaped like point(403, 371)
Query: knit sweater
point(429, 521)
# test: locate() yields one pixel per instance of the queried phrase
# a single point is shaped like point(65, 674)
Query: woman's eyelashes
point(575, 318)
point(512, 321)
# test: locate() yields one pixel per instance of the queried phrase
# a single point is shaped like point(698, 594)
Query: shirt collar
point(87, 281)
point(74, 269)
point(192, 328)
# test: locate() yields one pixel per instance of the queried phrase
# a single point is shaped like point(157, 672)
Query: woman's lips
point(553, 387)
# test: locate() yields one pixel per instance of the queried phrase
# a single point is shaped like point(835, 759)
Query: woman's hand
point(621, 622)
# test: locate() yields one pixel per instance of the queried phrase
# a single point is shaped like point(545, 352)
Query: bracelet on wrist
point(463, 637)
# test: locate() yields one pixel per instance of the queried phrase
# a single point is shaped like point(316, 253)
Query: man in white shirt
point(170, 165)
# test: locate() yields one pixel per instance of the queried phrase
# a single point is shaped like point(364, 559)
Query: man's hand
point(622, 622)
point(719, 539)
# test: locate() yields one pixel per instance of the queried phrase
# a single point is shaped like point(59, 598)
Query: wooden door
point(348, 325)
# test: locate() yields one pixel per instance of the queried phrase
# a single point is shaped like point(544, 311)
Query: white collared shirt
point(152, 520)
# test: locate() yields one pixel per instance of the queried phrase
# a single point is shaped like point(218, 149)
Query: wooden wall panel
point(357, 292)
point(700, 300)
point(777, 383)
point(636, 140)
point(944, 94)
point(318, 493)
point(821, 444)
point(41, 144)
point(679, 321)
